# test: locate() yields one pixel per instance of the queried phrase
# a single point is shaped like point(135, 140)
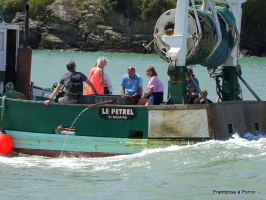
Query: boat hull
point(109, 130)
point(56, 145)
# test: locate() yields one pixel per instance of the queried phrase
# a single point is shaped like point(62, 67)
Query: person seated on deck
point(200, 99)
point(73, 84)
point(97, 77)
point(155, 89)
point(192, 92)
point(132, 85)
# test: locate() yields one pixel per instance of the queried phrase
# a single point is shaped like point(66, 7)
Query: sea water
point(232, 169)
point(48, 66)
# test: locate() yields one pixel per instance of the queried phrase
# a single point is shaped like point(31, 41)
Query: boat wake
point(202, 154)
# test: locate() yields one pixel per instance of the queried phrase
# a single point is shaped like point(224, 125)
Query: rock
point(50, 41)
point(253, 41)
point(98, 29)
point(64, 17)
point(19, 18)
point(35, 30)
point(94, 29)
point(90, 21)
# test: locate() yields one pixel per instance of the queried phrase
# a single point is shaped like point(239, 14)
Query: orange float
point(5, 142)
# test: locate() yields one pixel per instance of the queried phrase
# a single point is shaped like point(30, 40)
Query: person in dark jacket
point(192, 92)
point(73, 85)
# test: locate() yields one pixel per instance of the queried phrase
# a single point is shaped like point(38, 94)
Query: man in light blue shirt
point(132, 85)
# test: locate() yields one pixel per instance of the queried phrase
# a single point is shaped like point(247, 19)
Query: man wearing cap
point(132, 85)
point(73, 85)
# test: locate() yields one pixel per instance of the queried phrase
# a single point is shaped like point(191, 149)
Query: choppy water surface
point(209, 170)
point(233, 169)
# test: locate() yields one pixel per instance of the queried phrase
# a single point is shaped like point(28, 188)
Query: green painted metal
point(90, 120)
point(14, 95)
point(33, 116)
point(74, 143)
point(26, 140)
point(177, 85)
point(230, 86)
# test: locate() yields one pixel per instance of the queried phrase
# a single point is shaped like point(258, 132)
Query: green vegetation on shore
point(254, 14)
point(253, 10)
point(37, 7)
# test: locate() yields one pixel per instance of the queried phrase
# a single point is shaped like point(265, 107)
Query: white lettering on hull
point(117, 113)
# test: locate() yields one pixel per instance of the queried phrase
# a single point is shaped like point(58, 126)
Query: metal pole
point(250, 89)
point(199, 90)
point(22, 79)
point(26, 27)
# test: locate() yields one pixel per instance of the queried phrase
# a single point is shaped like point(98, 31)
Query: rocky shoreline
point(98, 29)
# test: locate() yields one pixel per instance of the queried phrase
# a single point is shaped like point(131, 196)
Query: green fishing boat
point(108, 125)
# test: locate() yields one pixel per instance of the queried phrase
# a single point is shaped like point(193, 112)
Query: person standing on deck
point(97, 77)
point(73, 84)
point(132, 85)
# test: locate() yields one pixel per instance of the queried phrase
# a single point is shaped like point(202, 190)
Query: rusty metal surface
point(179, 121)
point(241, 115)
point(22, 80)
point(179, 107)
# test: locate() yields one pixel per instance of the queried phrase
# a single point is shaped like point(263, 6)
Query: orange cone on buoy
point(5, 142)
